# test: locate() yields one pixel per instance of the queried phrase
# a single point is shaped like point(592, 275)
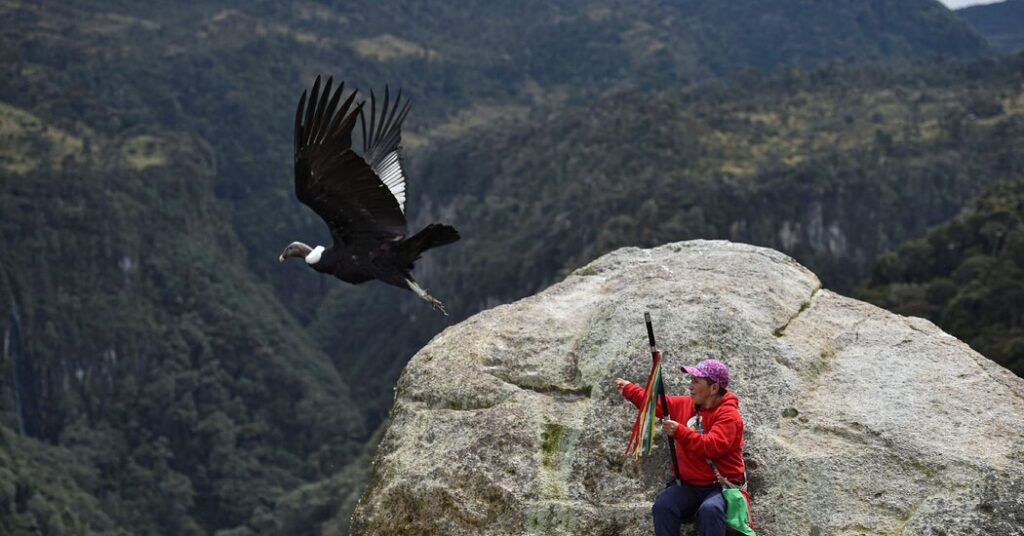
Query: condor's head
point(298, 249)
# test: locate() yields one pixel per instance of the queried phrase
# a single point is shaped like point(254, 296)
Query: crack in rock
point(781, 330)
point(563, 393)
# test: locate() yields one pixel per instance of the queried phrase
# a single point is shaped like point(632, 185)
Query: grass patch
point(476, 117)
point(27, 142)
point(144, 151)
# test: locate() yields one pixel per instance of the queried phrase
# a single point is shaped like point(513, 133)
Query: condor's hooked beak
point(288, 252)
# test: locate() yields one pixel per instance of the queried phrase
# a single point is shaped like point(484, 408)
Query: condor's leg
point(423, 294)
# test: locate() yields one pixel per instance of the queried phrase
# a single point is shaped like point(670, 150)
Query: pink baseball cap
point(711, 369)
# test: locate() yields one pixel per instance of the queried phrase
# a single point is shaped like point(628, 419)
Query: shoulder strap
point(722, 481)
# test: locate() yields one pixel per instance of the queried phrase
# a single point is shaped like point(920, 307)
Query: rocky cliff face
point(858, 421)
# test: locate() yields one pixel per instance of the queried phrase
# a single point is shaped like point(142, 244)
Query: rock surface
point(858, 421)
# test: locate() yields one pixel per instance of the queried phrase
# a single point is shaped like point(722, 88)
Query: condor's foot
point(434, 302)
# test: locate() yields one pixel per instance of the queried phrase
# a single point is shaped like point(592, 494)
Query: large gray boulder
point(858, 421)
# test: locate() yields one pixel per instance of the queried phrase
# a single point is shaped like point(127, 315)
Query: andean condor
point(362, 199)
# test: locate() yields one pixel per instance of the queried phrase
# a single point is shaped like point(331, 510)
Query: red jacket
point(722, 440)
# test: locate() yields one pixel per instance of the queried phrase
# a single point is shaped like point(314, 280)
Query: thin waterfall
point(25, 399)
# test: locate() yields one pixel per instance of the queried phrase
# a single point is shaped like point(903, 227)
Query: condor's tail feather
point(432, 236)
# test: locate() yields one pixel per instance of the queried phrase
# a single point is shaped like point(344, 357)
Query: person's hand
point(669, 427)
point(621, 384)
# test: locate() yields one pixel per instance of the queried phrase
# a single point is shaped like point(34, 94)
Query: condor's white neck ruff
point(314, 256)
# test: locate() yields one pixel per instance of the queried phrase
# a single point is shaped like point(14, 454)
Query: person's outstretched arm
point(635, 394)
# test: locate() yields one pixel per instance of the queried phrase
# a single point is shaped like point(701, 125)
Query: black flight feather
point(333, 180)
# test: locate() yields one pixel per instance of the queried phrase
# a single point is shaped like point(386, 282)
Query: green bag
point(736, 517)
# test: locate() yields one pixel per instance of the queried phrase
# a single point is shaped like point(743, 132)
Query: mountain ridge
point(1000, 23)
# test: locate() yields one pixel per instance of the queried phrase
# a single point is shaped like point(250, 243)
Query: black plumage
point(362, 199)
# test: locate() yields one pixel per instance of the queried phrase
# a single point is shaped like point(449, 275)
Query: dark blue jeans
point(678, 502)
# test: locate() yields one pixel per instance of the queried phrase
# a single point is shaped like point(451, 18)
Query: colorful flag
point(643, 429)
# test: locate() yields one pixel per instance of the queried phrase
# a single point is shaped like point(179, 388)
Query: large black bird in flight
point(362, 199)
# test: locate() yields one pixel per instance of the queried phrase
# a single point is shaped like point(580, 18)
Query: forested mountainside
point(163, 374)
point(1001, 23)
point(231, 73)
point(137, 338)
point(966, 275)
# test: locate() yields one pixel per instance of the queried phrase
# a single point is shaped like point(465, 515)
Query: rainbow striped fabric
point(643, 429)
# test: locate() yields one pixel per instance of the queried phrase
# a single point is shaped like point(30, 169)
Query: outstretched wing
point(380, 143)
point(332, 179)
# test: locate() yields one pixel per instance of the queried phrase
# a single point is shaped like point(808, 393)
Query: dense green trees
point(966, 275)
point(156, 359)
point(830, 170)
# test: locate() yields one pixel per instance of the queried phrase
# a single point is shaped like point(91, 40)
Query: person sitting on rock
point(713, 433)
